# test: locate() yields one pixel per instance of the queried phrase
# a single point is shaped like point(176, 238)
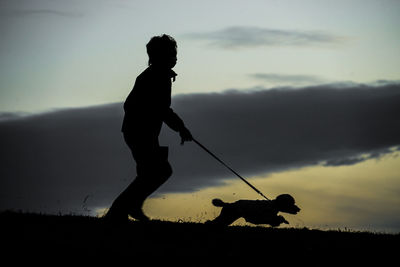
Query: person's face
point(168, 60)
point(172, 59)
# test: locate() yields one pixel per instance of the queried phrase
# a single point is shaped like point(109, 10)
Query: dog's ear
point(285, 200)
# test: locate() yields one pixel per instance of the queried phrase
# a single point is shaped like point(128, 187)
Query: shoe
point(116, 217)
point(139, 215)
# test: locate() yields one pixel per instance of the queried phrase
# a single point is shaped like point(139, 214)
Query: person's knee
point(163, 170)
point(166, 170)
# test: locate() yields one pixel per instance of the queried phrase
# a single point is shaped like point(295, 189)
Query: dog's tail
point(218, 202)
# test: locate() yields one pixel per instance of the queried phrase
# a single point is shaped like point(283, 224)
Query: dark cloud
point(11, 115)
point(351, 160)
point(242, 36)
point(54, 161)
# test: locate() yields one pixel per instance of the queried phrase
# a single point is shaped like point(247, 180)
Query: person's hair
point(160, 47)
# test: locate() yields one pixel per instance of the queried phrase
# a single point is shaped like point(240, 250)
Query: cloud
point(276, 78)
point(11, 115)
point(53, 161)
point(351, 160)
point(33, 12)
point(245, 37)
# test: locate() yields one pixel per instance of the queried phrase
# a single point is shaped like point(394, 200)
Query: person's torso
point(148, 102)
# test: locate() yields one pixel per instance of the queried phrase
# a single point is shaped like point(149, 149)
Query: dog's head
point(286, 203)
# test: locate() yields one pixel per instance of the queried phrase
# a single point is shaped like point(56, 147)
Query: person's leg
point(119, 208)
point(130, 201)
point(152, 172)
point(146, 183)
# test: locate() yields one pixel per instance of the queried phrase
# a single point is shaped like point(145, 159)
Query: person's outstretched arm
point(175, 123)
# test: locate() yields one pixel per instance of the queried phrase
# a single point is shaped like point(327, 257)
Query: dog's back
point(246, 205)
point(218, 202)
point(256, 211)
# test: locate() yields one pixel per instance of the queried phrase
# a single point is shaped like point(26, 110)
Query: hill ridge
point(186, 243)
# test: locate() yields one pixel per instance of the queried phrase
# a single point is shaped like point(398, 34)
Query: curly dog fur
point(256, 211)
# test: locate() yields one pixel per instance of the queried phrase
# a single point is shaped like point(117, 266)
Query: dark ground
point(34, 238)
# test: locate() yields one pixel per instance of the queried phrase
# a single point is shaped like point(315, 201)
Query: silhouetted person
point(146, 108)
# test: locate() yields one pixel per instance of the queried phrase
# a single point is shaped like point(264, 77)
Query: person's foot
point(139, 215)
point(114, 216)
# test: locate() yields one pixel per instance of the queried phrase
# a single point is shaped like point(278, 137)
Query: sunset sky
point(301, 97)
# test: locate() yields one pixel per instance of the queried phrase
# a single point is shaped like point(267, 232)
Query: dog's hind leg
point(225, 218)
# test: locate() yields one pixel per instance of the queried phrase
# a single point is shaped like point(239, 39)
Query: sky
point(76, 53)
point(299, 96)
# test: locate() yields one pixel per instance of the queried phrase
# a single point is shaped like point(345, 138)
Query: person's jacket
point(148, 105)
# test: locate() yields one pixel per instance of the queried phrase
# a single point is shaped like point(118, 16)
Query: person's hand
point(185, 135)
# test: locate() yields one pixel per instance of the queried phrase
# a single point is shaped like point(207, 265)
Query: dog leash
point(229, 168)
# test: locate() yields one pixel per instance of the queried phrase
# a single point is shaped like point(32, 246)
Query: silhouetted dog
point(256, 211)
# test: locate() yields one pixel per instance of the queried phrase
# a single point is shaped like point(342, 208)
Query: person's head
point(162, 51)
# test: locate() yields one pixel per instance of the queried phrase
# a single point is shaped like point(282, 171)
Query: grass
point(39, 237)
